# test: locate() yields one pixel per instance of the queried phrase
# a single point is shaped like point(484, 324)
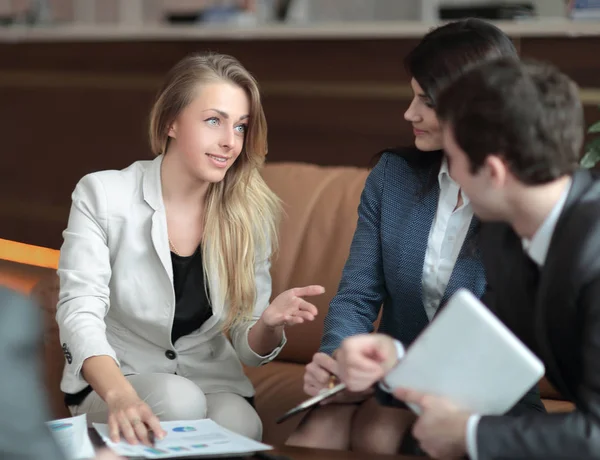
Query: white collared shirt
point(446, 237)
point(537, 249)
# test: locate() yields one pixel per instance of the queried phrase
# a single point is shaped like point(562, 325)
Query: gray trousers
point(172, 397)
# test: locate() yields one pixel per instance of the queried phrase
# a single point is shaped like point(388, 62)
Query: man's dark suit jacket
point(23, 405)
point(556, 312)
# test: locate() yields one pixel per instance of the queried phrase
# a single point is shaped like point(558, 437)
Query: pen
point(333, 381)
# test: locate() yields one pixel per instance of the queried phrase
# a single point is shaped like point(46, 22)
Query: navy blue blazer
point(385, 265)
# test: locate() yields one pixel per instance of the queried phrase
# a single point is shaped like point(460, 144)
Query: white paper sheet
point(185, 439)
point(71, 434)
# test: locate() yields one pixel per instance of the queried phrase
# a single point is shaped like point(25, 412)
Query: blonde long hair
point(242, 213)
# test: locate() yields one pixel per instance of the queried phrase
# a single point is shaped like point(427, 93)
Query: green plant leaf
point(592, 154)
point(594, 144)
point(595, 128)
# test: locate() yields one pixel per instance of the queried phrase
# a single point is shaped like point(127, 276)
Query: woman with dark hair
point(414, 246)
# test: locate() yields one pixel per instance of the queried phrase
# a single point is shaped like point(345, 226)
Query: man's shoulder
point(497, 243)
point(581, 232)
point(581, 216)
point(495, 232)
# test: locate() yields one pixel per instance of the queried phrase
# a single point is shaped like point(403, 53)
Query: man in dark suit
point(512, 134)
point(23, 404)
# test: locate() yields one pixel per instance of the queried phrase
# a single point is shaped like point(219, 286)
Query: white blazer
point(116, 290)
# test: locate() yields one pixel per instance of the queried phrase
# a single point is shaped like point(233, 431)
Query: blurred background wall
point(77, 80)
point(316, 10)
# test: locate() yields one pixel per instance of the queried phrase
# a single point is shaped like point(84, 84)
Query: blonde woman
point(164, 269)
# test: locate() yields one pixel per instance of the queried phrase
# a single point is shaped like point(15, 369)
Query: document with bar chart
point(190, 438)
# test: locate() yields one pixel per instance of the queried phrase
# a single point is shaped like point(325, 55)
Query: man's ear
point(497, 170)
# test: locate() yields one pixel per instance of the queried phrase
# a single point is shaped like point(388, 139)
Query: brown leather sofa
point(315, 235)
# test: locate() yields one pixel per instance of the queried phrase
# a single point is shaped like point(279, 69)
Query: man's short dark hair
point(527, 111)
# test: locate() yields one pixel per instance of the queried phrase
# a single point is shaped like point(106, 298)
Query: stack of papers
point(71, 435)
point(190, 438)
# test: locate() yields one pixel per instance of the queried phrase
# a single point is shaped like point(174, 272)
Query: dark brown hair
point(528, 112)
point(450, 50)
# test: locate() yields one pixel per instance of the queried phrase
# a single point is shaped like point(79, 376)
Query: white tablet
point(468, 355)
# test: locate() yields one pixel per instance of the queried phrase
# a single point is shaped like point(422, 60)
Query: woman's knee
point(171, 397)
point(248, 423)
point(378, 429)
point(235, 413)
point(252, 426)
point(244, 421)
point(326, 427)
